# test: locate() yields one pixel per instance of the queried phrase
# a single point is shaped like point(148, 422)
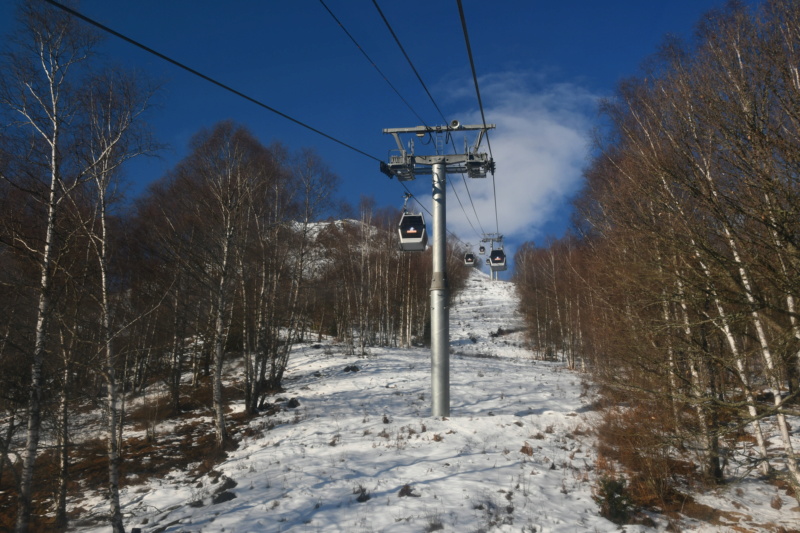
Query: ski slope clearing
point(351, 446)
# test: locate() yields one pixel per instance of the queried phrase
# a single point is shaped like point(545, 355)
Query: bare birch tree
point(37, 91)
point(114, 103)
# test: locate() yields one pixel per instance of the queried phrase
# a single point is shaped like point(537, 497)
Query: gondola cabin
point(482, 250)
point(497, 260)
point(413, 235)
point(469, 259)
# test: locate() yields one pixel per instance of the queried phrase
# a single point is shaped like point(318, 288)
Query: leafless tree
point(689, 220)
point(114, 103)
point(48, 58)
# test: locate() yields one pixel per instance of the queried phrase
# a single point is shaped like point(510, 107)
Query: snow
point(517, 454)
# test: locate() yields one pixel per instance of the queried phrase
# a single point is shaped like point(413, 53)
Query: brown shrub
point(192, 443)
point(776, 502)
point(643, 449)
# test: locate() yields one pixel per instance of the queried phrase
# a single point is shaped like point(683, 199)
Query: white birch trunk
point(42, 319)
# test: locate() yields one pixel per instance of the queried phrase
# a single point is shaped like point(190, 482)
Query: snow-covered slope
point(360, 452)
point(484, 319)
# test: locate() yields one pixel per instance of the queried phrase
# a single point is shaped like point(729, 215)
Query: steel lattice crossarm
point(406, 165)
point(492, 237)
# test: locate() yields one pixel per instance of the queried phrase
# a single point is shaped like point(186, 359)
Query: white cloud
point(540, 147)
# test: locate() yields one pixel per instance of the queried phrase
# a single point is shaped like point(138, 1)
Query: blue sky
point(542, 67)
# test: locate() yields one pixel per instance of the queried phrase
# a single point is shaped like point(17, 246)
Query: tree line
point(236, 254)
point(678, 288)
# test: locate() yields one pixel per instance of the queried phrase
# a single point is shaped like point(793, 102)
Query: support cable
point(433, 101)
point(389, 26)
point(462, 207)
point(480, 102)
point(364, 53)
point(478, 220)
point(229, 89)
point(207, 78)
point(386, 79)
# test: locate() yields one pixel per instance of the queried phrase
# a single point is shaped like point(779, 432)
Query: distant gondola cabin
point(469, 259)
point(413, 235)
point(497, 260)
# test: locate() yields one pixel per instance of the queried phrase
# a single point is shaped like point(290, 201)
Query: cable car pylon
point(405, 165)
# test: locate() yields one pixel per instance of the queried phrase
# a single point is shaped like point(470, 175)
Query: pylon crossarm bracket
point(492, 237)
point(438, 129)
point(406, 167)
point(396, 139)
point(481, 133)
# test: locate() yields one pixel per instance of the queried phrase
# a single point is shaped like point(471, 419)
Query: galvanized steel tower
point(405, 165)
